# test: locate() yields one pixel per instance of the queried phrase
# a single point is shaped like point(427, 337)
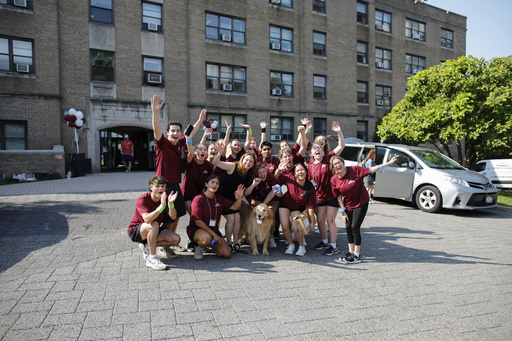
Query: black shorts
point(179, 203)
point(282, 205)
point(126, 158)
point(191, 231)
point(228, 212)
point(134, 234)
point(330, 203)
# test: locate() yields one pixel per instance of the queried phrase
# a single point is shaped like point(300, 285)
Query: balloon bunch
point(210, 123)
point(75, 118)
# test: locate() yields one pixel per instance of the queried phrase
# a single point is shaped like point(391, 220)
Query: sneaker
point(165, 252)
point(272, 243)
point(321, 245)
point(304, 241)
point(191, 246)
point(155, 263)
point(290, 249)
point(145, 252)
point(372, 201)
point(198, 254)
point(331, 251)
point(301, 251)
point(352, 259)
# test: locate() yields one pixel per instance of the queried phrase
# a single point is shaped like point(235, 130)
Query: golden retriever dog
point(257, 224)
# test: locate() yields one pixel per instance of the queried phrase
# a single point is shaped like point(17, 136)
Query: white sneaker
point(145, 252)
point(165, 252)
point(272, 243)
point(155, 263)
point(301, 251)
point(290, 249)
point(198, 254)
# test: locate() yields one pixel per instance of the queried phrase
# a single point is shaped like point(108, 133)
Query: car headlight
point(457, 181)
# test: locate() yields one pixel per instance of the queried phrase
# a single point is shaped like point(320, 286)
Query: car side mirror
point(411, 165)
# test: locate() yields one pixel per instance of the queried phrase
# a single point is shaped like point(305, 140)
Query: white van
point(499, 171)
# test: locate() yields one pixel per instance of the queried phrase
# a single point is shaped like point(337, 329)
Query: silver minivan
point(429, 179)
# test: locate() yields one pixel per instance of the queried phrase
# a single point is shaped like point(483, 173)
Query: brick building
point(246, 61)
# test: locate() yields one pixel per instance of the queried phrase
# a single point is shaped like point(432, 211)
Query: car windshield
point(435, 159)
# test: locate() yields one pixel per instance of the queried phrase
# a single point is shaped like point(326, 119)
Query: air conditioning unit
point(226, 87)
point(275, 2)
point(276, 92)
point(275, 137)
point(154, 78)
point(416, 36)
point(379, 27)
point(276, 46)
point(379, 102)
point(415, 71)
point(379, 65)
point(20, 3)
point(152, 27)
point(226, 37)
point(22, 67)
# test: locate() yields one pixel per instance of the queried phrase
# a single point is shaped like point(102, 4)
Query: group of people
point(218, 177)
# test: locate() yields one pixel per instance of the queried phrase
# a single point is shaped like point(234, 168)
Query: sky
point(489, 26)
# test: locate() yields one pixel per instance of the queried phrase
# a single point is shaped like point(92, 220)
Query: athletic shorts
point(134, 234)
point(126, 158)
point(330, 203)
point(179, 203)
point(191, 231)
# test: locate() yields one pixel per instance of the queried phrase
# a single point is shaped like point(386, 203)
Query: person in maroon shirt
point(327, 205)
point(205, 213)
point(266, 157)
point(168, 156)
point(300, 195)
point(127, 153)
point(352, 196)
point(235, 147)
point(154, 210)
point(197, 170)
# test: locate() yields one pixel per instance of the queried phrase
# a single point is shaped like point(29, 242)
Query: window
point(151, 17)
point(13, 135)
point(319, 87)
point(101, 11)
point(362, 130)
point(362, 13)
point(383, 96)
point(319, 44)
point(447, 38)
point(16, 55)
point(224, 28)
point(102, 66)
point(362, 92)
point(382, 21)
point(225, 77)
point(319, 6)
point(237, 132)
point(319, 127)
point(414, 30)
point(414, 64)
point(281, 84)
point(284, 3)
point(152, 71)
point(382, 59)
point(18, 4)
point(281, 39)
point(281, 129)
point(362, 52)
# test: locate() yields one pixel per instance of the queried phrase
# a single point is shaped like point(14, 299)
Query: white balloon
point(204, 127)
point(79, 115)
point(214, 124)
point(79, 123)
point(72, 111)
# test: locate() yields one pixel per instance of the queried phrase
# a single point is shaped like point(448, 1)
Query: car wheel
point(429, 199)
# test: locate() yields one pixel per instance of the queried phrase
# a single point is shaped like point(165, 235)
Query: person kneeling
point(154, 211)
point(205, 213)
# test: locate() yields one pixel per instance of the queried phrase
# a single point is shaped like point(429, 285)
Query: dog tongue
point(259, 221)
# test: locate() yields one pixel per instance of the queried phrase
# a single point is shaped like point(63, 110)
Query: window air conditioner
point(415, 71)
point(276, 92)
point(275, 137)
point(154, 78)
point(379, 27)
point(379, 65)
point(379, 102)
point(226, 87)
point(152, 27)
point(20, 3)
point(276, 46)
point(276, 2)
point(22, 67)
point(226, 37)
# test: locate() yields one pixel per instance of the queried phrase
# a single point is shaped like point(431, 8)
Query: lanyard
point(208, 202)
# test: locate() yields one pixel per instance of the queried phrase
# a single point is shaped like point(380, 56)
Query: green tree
point(467, 101)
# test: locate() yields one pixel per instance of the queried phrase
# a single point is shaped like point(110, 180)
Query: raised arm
point(155, 108)
point(304, 141)
point(341, 139)
point(202, 115)
point(373, 169)
point(208, 132)
point(263, 126)
point(226, 138)
point(190, 150)
point(229, 167)
point(239, 195)
point(248, 136)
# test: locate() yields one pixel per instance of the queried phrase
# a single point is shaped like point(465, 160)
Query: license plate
point(488, 199)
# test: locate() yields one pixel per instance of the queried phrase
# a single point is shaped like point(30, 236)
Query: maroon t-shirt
point(195, 175)
point(270, 165)
point(351, 186)
point(322, 175)
point(204, 209)
point(260, 192)
point(168, 159)
point(146, 205)
point(232, 158)
point(293, 199)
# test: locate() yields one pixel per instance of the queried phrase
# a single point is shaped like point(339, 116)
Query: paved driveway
point(70, 272)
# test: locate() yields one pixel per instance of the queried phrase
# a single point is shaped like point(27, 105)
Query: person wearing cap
point(127, 153)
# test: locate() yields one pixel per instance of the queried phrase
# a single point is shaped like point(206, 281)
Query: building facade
point(245, 61)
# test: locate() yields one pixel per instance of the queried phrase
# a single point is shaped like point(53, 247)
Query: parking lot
point(69, 271)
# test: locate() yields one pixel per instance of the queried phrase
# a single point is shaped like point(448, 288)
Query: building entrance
point(110, 149)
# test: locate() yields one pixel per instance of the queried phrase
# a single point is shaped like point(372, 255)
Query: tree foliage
point(467, 101)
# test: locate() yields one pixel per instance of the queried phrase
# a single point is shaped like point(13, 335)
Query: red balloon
point(84, 120)
point(72, 118)
point(214, 129)
point(205, 122)
point(71, 124)
point(210, 120)
point(66, 117)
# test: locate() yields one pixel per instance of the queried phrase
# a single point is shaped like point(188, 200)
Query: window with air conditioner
point(221, 77)
point(383, 21)
point(153, 70)
point(281, 38)
point(379, 65)
point(151, 17)
point(382, 58)
point(275, 137)
point(16, 55)
point(154, 78)
point(226, 37)
point(276, 46)
point(415, 29)
point(276, 92)
point(22, 68)
point(446, 38)
point(414, 64)
point(226, 87)
point(152, 27)
point(225, 28)
point(237, 131)
point(281, 128)
point(382, 95)
point(281, 84)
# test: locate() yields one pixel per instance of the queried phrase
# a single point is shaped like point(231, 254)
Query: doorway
point(110, 149)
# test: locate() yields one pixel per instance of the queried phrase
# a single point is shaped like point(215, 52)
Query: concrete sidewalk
point(69, 272)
